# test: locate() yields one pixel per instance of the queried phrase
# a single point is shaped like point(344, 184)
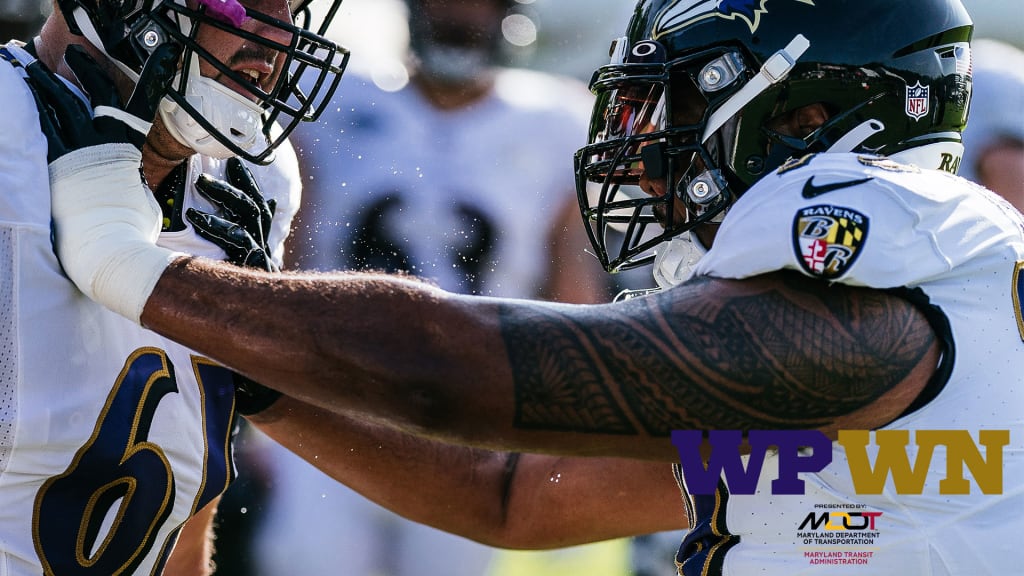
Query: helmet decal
point(647, 51)
point(918, 97)
point(683, 13)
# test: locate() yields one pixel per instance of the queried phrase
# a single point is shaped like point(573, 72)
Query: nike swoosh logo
point(810, 190)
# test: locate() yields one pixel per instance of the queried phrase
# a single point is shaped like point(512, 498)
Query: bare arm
point(497, 498)
point(779, 351)
point(193, 552)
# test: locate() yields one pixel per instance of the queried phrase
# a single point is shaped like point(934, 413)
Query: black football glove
point(252, 397)
point(242, 233)
point(105, 221)
point(244, 230)
point(70, 125)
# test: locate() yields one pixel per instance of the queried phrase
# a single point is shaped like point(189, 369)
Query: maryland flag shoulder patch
point(828, 239)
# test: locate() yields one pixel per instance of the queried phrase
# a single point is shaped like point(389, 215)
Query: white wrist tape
point(106, 226)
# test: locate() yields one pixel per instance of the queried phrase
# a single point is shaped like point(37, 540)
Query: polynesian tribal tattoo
point(781, 357)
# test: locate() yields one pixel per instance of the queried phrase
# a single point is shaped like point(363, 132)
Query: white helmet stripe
point(775, 68)
point(90, 33)
point(857, 136)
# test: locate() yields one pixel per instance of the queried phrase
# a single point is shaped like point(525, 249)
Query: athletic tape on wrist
point(106, 226)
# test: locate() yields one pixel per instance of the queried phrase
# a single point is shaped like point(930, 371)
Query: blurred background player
point(447, 173)
point(424, 175)
point(21, 19)
point(994, 137)
point(115, 443)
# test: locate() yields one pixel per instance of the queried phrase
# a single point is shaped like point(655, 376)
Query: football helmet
point(253, 116)
point(696, 87)
point(455, 48)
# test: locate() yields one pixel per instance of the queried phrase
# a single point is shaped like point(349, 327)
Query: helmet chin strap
point(775, 68)
point(231, 114)
point(90, 33)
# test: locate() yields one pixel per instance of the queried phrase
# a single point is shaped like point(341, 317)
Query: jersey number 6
point(120, 466)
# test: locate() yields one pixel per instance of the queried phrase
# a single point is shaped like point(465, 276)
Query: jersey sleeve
point(863, 221)
point(24, 178)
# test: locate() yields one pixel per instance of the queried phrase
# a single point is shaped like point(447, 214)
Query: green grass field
point(602, 559)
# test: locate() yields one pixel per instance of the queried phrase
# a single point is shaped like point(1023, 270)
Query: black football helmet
point(693, 89)
point(203, 113)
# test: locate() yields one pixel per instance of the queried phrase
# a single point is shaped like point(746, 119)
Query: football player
point(843, 279)
point(438, 175)
point(111, 436)
point(994, 138)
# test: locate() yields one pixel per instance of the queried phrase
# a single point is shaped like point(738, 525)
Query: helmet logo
point(917, 100)
point(647, 52)
point(683, 13)
point(645, 49)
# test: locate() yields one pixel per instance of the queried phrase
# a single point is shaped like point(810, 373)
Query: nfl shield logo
point(917, 100)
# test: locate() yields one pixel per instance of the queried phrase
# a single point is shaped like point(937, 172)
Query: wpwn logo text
point(811, 451)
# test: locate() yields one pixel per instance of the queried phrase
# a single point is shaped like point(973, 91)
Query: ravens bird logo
point(679, 15)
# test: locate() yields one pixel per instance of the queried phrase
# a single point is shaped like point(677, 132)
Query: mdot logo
point(848, 533)
point(811, 451)
point(840, 520)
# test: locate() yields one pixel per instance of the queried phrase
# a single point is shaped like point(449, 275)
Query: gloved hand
point(252, 397)
point(70, 126)
point(244, 230)
point(106, 222)
point(242, 233)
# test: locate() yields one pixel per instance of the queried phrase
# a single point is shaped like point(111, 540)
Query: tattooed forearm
point(782, 351)
point(559, 382)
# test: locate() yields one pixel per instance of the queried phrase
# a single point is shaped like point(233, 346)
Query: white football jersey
point(401, 185)
point(957, 249)
point(110, 435)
